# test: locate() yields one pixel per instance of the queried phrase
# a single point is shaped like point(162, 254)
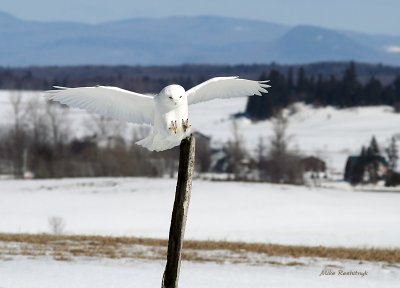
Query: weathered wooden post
point(179, 212)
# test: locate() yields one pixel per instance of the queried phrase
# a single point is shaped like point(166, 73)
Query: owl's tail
point(147, 142)
point(155, 142)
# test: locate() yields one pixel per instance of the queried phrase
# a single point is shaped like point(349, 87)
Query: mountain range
point(178, 40)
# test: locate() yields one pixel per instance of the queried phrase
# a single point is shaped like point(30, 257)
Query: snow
point(24, 273)
point(328, 133)
point(251, 212)
point(393, 49)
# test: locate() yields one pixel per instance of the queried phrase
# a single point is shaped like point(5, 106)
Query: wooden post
point(179, 212)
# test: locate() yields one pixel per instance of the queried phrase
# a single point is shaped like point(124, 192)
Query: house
point(363, 169)
point(203, 152)
point(222, 161)
point(313, 164)
point(314, 169)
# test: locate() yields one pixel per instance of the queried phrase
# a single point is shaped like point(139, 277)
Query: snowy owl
point(167, 111)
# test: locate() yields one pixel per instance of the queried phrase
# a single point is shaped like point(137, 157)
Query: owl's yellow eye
point(170, 97)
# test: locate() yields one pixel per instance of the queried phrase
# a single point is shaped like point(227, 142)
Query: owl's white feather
point(167, 111)
point(108, 101)
point(226, 87)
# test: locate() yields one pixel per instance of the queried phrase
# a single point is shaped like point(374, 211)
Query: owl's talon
point(174, 127)
point(186, 125)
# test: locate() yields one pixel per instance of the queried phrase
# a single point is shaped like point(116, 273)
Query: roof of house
point(353, 160)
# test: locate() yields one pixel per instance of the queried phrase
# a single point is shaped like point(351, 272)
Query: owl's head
point(173, 95)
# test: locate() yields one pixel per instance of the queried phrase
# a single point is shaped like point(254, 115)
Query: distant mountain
point(177, 40)
point(311, 44)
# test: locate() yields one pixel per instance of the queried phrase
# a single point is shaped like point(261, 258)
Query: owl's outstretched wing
point(225, 87)
point(108, 101)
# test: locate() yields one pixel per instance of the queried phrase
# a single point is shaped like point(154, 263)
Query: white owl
point(167, 111)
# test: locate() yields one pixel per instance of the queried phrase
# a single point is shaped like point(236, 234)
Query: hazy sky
point(370, 16)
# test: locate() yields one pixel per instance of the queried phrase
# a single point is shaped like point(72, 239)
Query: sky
point(368, 16)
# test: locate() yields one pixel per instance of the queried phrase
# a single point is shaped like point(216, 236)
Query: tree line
point(152, 78)
point(343, 92)
point(320, 84)
point(40, 143)
point(41, 140)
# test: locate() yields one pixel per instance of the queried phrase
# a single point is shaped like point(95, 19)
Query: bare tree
point(39, 141)
point(106, 127)
point(282, 165)
point(58, 122)
point(261, 154)
point(280, 140)
point(16, 104)
point(236, 150)
point(56, 225)
point(38, 124)
point(17, 134)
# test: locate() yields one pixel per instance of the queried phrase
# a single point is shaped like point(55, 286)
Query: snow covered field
point(328, 133)
point(45, 273)
point(218, 210)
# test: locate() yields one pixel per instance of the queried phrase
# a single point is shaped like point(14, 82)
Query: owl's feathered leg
point(174, 127)
point(186, 125)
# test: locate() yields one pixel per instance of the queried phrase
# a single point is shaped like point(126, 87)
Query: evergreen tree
point(350, 87)
point(301, 85)
point(372, 92)
point(332, 92)
point(260, 108)
point(396, 84)
point(290, 82)
point(392, 177)
point(388, 95)
point(373, 155)
point(373, 148)
point(393, 154)
point(319, 96)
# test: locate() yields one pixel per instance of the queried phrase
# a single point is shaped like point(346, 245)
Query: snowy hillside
point(328, 133)
point(231, 211)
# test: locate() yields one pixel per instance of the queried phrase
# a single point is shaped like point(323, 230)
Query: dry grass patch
point(366, 254)
point(64, 247)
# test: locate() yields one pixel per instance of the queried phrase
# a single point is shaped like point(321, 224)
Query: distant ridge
point(180, 40)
